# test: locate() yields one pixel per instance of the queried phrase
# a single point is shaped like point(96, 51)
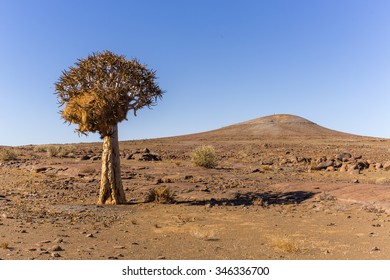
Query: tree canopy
point(99, 91)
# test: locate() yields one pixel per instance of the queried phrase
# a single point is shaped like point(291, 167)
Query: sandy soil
point(265, 200)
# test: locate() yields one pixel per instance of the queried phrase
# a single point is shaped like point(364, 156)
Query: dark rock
point(40, 169)
point(85, 157)
point(344, 156)
point(55, 255)
point(324, 165)
point(128, 156)
point(361, 164)
point(149, 157)
point(256, 171)
point(57, 249)
point(267, 162)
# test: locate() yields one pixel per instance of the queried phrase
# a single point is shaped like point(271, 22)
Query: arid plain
point(284, 188)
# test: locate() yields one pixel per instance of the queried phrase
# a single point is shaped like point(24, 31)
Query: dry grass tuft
point(88, 170)
point(8, 155)
point(4, 245)
point(56, 150)
point(204, 156)
point(285, 245)
point(325, 196)
point(161, 195)
point(206, 235)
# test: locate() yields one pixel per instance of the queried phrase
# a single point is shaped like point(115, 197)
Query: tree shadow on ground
point(262, 199)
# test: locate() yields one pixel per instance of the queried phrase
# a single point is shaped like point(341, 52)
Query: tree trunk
point(111, 189)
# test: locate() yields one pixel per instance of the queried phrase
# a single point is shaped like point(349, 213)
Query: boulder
point(148, 157)
point(344, 156)
point(128, 156)
point(378, 165)
point(324, 165)
point(386, 166)
point(85, 157)
point(267, 162)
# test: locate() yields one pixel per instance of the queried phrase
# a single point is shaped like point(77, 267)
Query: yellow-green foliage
point(160, 195)
point(8, 155)
point(204, 156)
point(56, 150)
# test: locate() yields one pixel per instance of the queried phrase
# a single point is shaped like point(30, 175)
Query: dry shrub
point(4, 245)
point(40, 149)
point(88, 170)
point(8, 155)
point(57, 150)
point(325, 196)
point(204, 156)
point(161, 195)
point(206, 235)
point(285, 245)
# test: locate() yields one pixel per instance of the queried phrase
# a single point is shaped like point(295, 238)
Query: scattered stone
point(90, 235)
point(57, 249)
point(344, 156)
point(55, 255)
point(378, 165)
point(343, 167)
point(356, 181)
point(386, 166)
point(39, 169)
point(361, 164)
point(128, 156)
point(256, 171)
point(119, 247)
point(375, 249)
point(267, 162)
point(85, 157)
point(330, 168)
point(324, 165)
point(354, 171)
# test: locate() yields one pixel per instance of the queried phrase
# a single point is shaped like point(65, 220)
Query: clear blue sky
point(220, 62)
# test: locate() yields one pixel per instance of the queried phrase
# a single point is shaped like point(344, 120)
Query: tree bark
point(111, 188)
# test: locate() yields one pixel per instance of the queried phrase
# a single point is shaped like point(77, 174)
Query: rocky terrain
point(283, 188)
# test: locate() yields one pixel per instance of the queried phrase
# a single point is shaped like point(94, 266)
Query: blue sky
point(220, 62)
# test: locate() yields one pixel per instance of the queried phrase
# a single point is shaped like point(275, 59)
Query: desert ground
point(283, 188)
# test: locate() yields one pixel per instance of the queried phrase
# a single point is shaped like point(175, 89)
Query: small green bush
point(204, 156)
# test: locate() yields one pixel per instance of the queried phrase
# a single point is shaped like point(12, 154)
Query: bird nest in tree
point(95, 112)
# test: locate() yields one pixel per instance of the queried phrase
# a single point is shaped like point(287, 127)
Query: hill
point(274, 126)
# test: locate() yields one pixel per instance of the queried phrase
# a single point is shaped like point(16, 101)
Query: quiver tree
point(96, 94)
